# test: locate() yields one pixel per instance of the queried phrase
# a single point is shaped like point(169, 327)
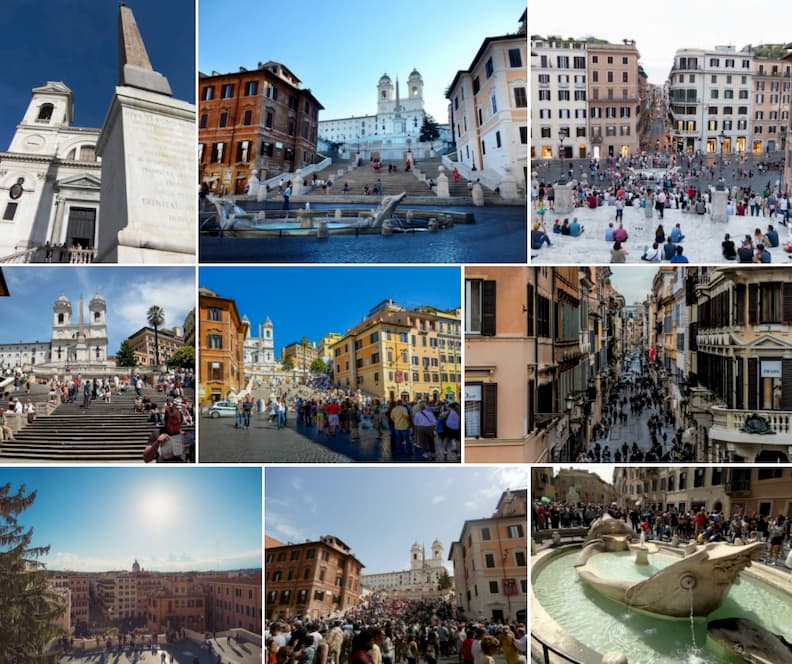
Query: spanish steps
point(103, 432)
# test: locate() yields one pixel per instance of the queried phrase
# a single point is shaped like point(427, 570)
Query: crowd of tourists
point(698, 524)
point(323, 411)
point(637, 393)
point(622, 184)
point(394, 631)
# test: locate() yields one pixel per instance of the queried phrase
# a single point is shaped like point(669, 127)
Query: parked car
point(222, 409)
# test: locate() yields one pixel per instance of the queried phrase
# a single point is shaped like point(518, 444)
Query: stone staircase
point(432, 169)
point(393, 183)
point(110, 432)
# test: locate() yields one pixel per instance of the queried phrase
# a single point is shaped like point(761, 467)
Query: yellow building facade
point(397, 352)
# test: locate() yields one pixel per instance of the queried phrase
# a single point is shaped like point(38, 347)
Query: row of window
point(581, 113)
point(578, 61)
point(728, 63)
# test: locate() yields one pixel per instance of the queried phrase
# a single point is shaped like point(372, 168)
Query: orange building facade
point(260, 121)
point(235, 602)
point(222, 339)
point(311, 579)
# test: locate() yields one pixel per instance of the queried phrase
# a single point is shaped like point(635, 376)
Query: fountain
point(621, 595)
point(230, 219)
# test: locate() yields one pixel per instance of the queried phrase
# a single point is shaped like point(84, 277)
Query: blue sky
point(169, 519)
point(75, 41)
point(340, 49)
point(380, 512)
point(129, 291)
point(313, 301)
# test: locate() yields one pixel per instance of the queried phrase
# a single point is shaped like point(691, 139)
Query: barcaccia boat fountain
point(621, 598)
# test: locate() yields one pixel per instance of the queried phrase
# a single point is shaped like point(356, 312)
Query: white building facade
point(421, 580)
point(77, 341)
point(49, 177)
point(393, 132)
point(710, 100)
point(260, 351)
point(489, 110)
point(559, 107)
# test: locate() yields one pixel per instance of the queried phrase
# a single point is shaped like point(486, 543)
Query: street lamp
point(722, 138)
point(562, 135)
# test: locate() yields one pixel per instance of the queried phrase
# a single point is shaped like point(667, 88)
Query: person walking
point(287, 192)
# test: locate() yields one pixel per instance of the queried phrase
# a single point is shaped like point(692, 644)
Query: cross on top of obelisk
point(134, 66)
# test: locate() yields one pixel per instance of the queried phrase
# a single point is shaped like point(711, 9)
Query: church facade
point(389, 134)
point(79, 341)
point(50, 177)
point(420, 581)
point(259, 351)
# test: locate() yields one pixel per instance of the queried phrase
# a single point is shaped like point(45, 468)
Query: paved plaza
point(263, 442)
point(702, 243)
point(183, 652)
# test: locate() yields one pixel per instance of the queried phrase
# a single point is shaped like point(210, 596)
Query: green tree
point(319, 366)
point(125, 357)
point(429, 130)
point(444, 582)
point(156, 317)
point(183, 358)
point(28, 607)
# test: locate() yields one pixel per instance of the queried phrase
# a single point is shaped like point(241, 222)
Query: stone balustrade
point(729, 419)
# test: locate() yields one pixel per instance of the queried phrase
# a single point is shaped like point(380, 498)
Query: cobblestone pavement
point(183, 653)
point(219, 441)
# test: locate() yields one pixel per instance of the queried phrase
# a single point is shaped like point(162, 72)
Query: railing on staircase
point(39, 255)
point(25, 256)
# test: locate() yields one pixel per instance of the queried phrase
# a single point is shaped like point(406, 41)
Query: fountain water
point(695, 612)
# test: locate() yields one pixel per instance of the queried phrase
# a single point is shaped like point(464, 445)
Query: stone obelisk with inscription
point(147, 146)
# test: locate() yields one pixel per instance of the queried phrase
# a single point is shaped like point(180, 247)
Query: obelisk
point(147, 145)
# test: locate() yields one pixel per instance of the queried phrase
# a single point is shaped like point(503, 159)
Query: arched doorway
point(771, 456)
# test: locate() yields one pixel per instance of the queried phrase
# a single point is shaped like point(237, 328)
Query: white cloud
point(128, 314)
point(276, 524)
point(438, 499)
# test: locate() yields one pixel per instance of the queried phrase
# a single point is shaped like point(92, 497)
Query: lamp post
point(722, 138)
point(562, 135)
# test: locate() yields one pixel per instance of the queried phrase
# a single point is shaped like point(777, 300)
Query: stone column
point(564, 199)
point(719, 200)
point(478, 195)
point(253, 184)
point(442, 184)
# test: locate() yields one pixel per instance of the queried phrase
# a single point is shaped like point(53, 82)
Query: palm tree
point(156, 317)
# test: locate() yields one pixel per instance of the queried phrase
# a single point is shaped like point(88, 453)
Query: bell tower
point(384, 95)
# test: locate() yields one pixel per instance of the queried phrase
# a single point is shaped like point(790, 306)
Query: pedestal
point(148, 201)
point(442, 185)
point(719, 200)
point(478, 195)
point(564, 199)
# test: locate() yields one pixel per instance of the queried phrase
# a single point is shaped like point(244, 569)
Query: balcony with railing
point(738, 486)
point(732, 425)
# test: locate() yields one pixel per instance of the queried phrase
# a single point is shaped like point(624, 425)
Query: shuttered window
point(488, 308)
point(530, 309)
point(753, 383)
point(481, 410)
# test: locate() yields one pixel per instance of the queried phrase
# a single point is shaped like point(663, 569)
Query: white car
point(222, 409)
